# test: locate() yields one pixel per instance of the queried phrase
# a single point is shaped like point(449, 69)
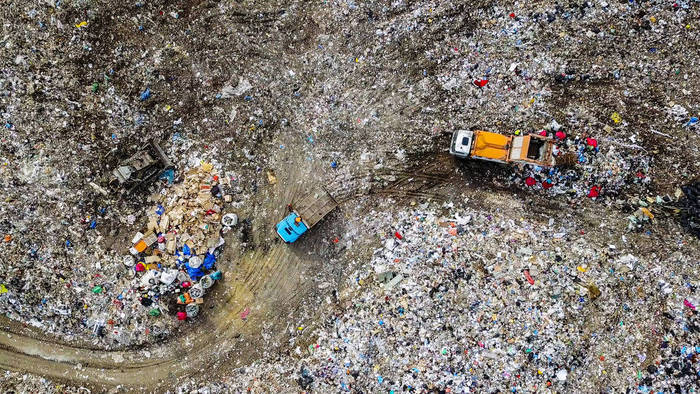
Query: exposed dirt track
point(261, 281)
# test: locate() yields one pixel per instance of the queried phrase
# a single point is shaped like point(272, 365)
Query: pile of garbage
point(82, 291)
point(583, 170)
point(475, 300)
point(683, 205)
point(177, 251)
point(171, 262)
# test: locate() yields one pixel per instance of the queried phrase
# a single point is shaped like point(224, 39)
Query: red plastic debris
point(185, 284)
point(594, 192)
point(140, 267)
point(481, 82)
point(543, 133)
point(398, 235)
point(245, 313)
point(592, 142)
point(336, 240)
point(528, 277)
point(560, 135)
point(688, 304)
point(530, 181)
point(512, 15)
point(181, 316)
point(546, 185)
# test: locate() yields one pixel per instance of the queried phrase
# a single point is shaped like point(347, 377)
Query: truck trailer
point(485, 145)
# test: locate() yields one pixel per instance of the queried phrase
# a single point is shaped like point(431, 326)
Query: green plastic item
point(97, 289)
point(216, 275)
point(154, 312)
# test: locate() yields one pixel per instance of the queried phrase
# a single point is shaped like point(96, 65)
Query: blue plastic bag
point(209, 261)
point(168, 175)
point(194, 273)
point(145, 95)
point(216, 275)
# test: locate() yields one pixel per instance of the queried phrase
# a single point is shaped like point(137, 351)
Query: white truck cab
point(461, 143)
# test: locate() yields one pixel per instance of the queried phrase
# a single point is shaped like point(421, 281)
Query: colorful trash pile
point(464, 301)
point(585, 169)
point(176, 253)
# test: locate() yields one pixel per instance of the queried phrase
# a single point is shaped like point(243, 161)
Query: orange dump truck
point(485, 145)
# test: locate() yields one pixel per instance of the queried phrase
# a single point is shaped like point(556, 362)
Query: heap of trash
point(466, 300)
point(176, 253)
point(583, 169)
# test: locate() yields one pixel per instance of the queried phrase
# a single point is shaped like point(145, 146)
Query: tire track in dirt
point(100, 370)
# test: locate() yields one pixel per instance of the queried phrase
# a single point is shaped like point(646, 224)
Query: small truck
point(485, 145)
point(311, 208)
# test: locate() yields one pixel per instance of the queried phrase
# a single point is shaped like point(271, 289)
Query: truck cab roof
point(461, 143)
point(289, 229)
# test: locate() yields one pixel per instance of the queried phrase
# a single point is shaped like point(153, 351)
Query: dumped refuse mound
point(175, 256)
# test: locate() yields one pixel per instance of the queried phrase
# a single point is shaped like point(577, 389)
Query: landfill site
point(235, 196)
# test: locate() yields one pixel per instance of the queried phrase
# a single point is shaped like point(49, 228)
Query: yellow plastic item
point(81, 24)
point(647, 212)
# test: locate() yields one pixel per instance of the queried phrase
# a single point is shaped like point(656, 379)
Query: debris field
point(152, 154)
